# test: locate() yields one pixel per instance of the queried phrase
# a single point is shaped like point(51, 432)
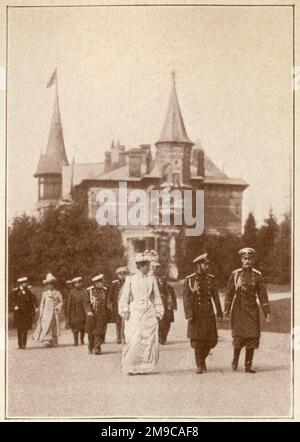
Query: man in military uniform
point(24, 305)
point(244, 285)
point(75, 310)
point(113, 301)
point(200, 289)
point(97, 313)
point(169, 301)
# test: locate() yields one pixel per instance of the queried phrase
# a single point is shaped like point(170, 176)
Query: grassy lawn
point(280, 309)
point(280, 318)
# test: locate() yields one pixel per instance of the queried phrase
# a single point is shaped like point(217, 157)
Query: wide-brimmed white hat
point(49, 279)
point(142, 257)
point(151, 254)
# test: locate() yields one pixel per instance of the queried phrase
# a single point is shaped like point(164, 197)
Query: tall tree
point(266, 245)
point(283, 250)
point(20, 244)
point(250, 232)
point(67, 243)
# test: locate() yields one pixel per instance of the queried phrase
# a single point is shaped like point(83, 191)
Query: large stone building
point(174, 159)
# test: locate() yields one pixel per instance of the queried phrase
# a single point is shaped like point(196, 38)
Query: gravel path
point(66, 381)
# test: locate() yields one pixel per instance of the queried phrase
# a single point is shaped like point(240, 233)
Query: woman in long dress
point(47, 329)
point(140, 306)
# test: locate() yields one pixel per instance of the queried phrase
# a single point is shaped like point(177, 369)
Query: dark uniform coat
point(65, 296)
point(75, 309)
point(113, 300)
point(26, 303)
point(168, 298)
point(244, 286)
point(96, 301)
point(199, 292)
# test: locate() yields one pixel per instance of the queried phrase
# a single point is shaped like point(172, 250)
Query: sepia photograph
point(150, 184)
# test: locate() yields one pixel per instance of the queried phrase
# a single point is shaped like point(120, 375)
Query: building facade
point(174, 161)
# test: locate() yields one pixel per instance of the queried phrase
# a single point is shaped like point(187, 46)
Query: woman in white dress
point(47, 329)
point(141, 307)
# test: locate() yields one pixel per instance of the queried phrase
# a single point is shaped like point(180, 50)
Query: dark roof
point(95, 172)
point(48, 165)
point(76, 173)
point(213, 175)
point(119, 174)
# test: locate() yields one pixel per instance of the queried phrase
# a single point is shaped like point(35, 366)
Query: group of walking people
point(142, 306)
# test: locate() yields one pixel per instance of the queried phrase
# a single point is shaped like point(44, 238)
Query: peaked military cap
point(201, 258)
point(247, 251)
point(23, 279)
point(77, 279)
point(98, 277)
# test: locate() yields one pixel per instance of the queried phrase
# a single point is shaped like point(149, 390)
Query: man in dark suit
point(200, 291)
point(245, 284)
point(113, 301)
point(65, 294)
point(24, 306)
point(75, 310)
point(169, 301)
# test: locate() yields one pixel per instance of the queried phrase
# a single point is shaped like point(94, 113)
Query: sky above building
point(234, 83)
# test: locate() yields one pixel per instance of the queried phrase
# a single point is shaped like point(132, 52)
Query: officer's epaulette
point(114, 281)
point(257, 271)
point(90, 288)
point(105, 288)
point(237, 270)
point(15, 289)
point(212, 276)
point(189, 276)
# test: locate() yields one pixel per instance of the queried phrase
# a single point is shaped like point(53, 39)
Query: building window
point(141, 244)
point(41, 188)
point(50, 188)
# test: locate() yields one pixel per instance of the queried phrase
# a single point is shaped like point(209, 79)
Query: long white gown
point(140, 298)
point(48, 328)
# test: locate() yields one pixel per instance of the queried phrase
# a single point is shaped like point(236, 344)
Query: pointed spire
point(56, 144)
point(174, 129)
point(55, 157)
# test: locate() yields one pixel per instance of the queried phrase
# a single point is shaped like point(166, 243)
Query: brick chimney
point(135, 162)
point(107, 162)
point(200, 162)
point(122, 158)
point(146, 148)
